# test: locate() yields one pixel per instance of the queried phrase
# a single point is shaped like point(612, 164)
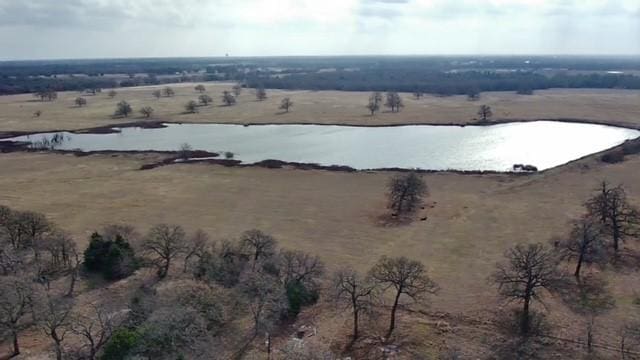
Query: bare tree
point(237, 89)
point(164, 243)
point(584, 243)
point(406, 192)
point(355, 293)
point(485, 113)
point(394, 101)
point(16, 300)
point(123, 109)
point(406, 277)
point(228, 99)
point(589, 298)
point(299, 267)
point(80, 101)
point(55, 321)
point(200, 88)
point(205, 99)
point(286, 104)
point(112, 93)
point(374, 105)
point(191, 107)
point(418, 94)
point(261, 93)
point(157, 94)
point(528, 270)
point(47, 94)
point(94, 328)
point(258, 245)
point(168, 92)
point(265, 297)
point(197, 246)
point(34, 227)
point(146, 111)
point(473, 94)
point(185, 151)
point(620, 220)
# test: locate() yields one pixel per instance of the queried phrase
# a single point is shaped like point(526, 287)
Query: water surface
point(544, 144)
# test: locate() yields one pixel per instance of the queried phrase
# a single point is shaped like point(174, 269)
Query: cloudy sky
point(38, 29)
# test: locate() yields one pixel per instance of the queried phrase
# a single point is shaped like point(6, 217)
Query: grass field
point(620, 107)
point(471, 219)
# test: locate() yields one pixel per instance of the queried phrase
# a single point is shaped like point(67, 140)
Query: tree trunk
point(392, 323)
point(524, 323)
point(616, 234)
point(165, 268)
point(72, 285)
point(355, 324)
point(579, 265)
point(16, 345)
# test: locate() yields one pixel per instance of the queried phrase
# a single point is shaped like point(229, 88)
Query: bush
point(121, 344)
point(299, 296)
point(614, 156)
point(114, 259)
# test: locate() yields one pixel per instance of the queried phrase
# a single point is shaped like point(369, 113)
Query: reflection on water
point(543, 144)
point(49, 142)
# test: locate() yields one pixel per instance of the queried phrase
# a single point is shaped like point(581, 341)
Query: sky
point(64, 29)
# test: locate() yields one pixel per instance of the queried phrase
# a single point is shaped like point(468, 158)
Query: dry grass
point(614, 106)
point(335, 215)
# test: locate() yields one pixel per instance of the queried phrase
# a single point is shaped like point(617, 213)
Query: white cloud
point(117, 28)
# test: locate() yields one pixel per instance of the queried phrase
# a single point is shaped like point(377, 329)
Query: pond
point(544, 144)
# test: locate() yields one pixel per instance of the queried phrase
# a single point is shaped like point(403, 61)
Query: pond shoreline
point(14, 146)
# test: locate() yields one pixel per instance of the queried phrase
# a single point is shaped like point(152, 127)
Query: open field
point(335, 215)
point(472, 219)
point(621, 107)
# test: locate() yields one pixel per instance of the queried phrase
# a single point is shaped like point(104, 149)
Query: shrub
point(113, 259)
point(122, 342)
point(299, 296)
point(228, 155)
point(614, 156)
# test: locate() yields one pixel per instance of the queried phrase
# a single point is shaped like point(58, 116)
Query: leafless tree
point(261, 94)
point(205, 99)
point(257, 245)
point(406, 192)
point(196, 247)
point(485, 113)
point(16, 300)
point(237, 89)
point(200, 88)
point(589, 298)
point(185, 151)
point(286, 104)
point(80, 101)
point(584, 243)
point(406, 277)
point(228, 99)
point(353, 292)
point(528, 270)
point(47, 94)
point(418, 94)
point(620, 220)
point(95, 328)
point(34, 227)
point(191, 107)
point(298, 266)
point(394, 101)
point(55, 321)
point(123, 109)
point(146, 111)
point(164, 243)
point(112, 93)
point(168, 92)
point(374, 105)
point(12, 261)
point(265, 297)
point(157, 94)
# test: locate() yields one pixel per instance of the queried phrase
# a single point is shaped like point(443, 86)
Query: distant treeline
point(441, 83)
point(437, 74)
